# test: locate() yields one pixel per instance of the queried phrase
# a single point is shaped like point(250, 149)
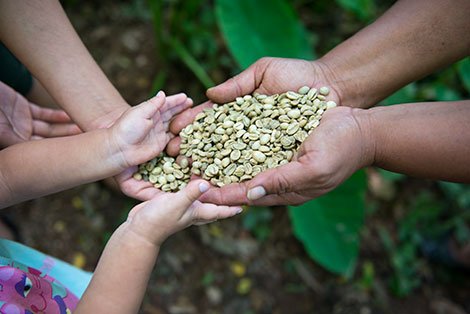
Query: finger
point(176, 99)
point(291, 198)
point(137, 189)
point(148, 108)
point(239, 85)
point(189, 102)
point(232, 194)
point(205, 213)
point(173, 147)
point(185, 197)
point(284, 179)
point(172, 109)
point(49, 115)
point(187, 116)
point(44, 129)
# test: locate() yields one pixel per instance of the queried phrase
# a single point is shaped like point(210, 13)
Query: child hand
point(141, 133)
point(167, 213)
point(22, 121)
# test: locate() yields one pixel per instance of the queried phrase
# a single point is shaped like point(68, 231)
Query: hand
point(167, 213)
point(330, 154)
point(22, 121)
point(265, 76)
point(140, 135)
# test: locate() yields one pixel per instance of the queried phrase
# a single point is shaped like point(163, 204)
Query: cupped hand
point(22, 121)
point(330, 154)
point(266, 76)
point(140, 134)
point(167, 213)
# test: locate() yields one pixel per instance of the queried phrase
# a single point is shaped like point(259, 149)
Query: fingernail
point(159, 94)
point(239, 210)
point(203, 187)
point(256, 193)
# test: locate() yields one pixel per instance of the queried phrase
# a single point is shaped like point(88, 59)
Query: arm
point(411, 40)
point(427, 140)
point(41, 36)
point(120, 279)
point(36, 168)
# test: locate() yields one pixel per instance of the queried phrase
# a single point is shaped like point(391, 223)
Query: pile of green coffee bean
point(233, 142)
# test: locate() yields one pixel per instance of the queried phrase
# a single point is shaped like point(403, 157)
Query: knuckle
point(238, 87)
point(324, 177)
point(282, 184)
point(265, 60)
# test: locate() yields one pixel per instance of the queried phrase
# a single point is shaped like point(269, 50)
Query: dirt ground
point(219, 268)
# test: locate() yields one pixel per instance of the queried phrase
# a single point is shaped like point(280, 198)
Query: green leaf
point(391, 176)
point(446, 93)
point(464, 72)
point(257, 220)
point(256, 29)
point(329, 226)
point(403, 95)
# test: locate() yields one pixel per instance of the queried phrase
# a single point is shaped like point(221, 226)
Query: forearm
point(411, 40)
point(41, 36)
point(428, 140)
point(120, 279)
point(36, 168)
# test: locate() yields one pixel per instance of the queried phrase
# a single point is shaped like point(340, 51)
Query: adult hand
point(331, 153)
point(22, 121)
point(142, 143)
point(265, 76)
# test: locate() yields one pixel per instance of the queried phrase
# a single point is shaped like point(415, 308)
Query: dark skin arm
point(427, 140)
point(411, 40)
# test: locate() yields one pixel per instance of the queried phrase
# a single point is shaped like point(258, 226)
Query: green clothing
point(13, 73)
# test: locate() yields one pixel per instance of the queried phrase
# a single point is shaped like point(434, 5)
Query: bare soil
point(219, 268)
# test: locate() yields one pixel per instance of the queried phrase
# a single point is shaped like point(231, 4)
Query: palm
point(272, 76)
point(16, 122)
point(142, 134)
point(142, 137)
point(329, 155)
point(22, 121)
point(281, 75)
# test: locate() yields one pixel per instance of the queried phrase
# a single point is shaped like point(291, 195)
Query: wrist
point(344, 79)
point(129, 234)
point(108, 118)
point(368, 143)
point(115, 155)
point(141, 227)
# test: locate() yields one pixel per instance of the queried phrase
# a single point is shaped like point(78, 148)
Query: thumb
point(280, 180)
point(239, 85)
point(190, 194)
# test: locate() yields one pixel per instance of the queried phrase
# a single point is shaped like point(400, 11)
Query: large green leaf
point(255, 29)
point(329, 225)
